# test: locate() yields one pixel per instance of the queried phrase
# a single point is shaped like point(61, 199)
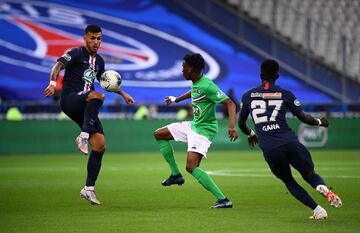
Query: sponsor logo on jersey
point(89, 75)
point(271, 95)
point(44, 33)
point(196, 91)
point(197, 111)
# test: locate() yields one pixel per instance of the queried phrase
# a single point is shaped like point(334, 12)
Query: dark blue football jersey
point(80, 70)
point(268, 107)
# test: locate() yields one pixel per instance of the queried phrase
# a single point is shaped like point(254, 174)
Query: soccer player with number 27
point(268, 104)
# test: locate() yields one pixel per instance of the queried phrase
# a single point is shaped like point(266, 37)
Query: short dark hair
point(92, 28)
point(195, 61)
point(269, 70)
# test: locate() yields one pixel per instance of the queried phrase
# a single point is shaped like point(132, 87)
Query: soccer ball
point(110, 80)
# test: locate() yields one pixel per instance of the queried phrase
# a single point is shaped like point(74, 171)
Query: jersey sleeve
point(244, 107)
point(293, 103)
point(215, 94)
point(101, 69)
point(69, 57)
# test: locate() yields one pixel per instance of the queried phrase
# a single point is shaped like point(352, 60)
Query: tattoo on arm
point(56, 70)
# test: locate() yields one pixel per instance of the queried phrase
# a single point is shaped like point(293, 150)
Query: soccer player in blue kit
point(82, 103)
point(268, 105)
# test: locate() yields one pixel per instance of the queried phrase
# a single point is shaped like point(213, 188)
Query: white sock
point(84, 135)
point(89, 188)
point(322, 189)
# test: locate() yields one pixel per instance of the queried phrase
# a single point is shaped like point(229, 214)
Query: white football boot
point(82, 142)
point(319, 213)
point(88, 193)
point(332, 198)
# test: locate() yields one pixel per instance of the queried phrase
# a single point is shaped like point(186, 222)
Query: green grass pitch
point(41, 194)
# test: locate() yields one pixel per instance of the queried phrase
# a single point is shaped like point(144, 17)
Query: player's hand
point(170, 99)
point(128, 99)
point(49, 90)
point(252, 140)
point(324, 122)
point(233, 135)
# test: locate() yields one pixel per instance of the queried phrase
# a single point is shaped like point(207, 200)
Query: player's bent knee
point(96, 95)
point(158, 135)
point(100, 148)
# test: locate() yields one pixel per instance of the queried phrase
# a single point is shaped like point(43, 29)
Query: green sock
point(168, 154)
point(208, 183)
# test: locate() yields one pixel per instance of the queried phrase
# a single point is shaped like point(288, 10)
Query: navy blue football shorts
point(292, 154)
point(73, 105)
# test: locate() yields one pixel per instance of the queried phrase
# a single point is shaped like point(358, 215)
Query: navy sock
point(313, 179)
point(93, 167)
point(91, 112)
point(299, 193)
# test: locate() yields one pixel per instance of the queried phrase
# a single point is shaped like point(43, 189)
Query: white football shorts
point(181, 131)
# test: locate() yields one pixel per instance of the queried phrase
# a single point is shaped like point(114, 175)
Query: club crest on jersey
point(297, 102)
point(135, 49)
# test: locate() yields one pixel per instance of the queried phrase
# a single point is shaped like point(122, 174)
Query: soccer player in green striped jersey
point(198, 133)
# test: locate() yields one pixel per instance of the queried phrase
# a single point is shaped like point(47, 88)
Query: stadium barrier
point(58, 136)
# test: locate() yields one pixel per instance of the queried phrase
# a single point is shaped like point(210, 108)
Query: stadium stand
point(329, 28)
point(306, 47)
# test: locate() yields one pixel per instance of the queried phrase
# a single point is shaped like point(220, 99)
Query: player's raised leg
point(332, 198)
point(192, 166)
point(318, 183)
point(162, 137)
point(94, 102)
point(302, 162)
point(278, 163)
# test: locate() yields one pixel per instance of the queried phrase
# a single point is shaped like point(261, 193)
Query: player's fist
point(233, 135)
point(49, 90)
point(324, 122)
point(170, 99)
point(252, 140)
point(128, 99)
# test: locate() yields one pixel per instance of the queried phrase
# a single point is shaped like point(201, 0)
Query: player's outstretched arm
point(307, 119)
point(55, 70)
point(231, 108)
point(252, 138)
point(172, 99)
point(128, 99)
